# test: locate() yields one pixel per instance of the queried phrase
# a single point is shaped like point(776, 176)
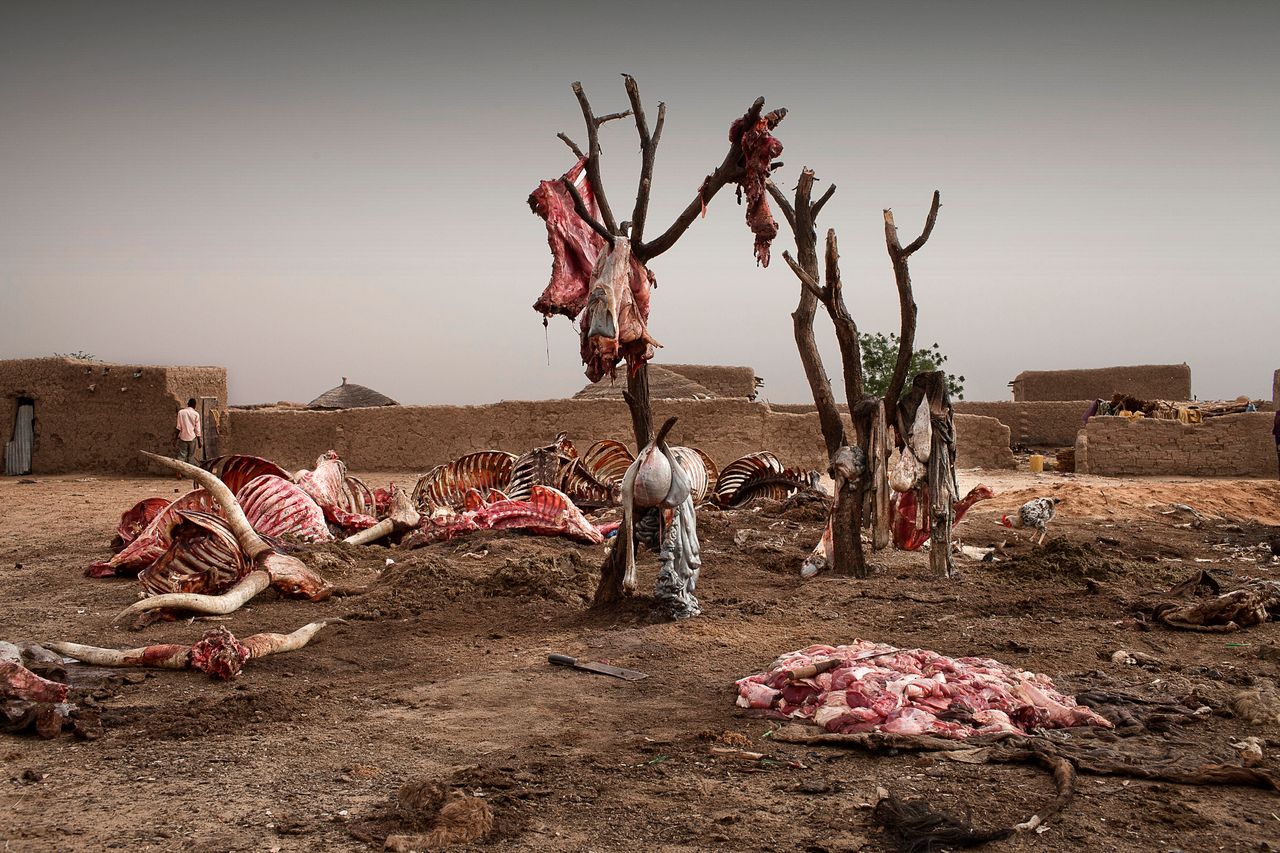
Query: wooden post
point(942, 472)
point(878, 473)
point(209, 427)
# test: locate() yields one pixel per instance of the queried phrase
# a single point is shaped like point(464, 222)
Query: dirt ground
point(439, 674)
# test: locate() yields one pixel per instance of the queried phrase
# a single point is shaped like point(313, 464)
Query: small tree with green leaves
point(880, 354)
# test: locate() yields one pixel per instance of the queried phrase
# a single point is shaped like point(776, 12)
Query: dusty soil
point(439, 679)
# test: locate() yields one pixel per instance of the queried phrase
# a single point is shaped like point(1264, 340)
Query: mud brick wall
point(419, 437)
point(96, 416)
point(721, 380)
point(1036, 424)
point(982, 442)
point(1145, 381)
point(1227, 446)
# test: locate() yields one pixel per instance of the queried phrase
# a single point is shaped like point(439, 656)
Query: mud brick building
point(63, 414)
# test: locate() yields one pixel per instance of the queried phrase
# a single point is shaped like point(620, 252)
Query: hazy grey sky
point(302, 191)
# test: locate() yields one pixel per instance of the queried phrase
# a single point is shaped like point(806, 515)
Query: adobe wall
point(721, 380)
point(419, 437)
point(1145, 381)
point(1036, 424)
point(1226, 446)
point(95, 416)
point(1275, 391)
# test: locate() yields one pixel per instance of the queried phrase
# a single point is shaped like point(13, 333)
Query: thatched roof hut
point(664, 384)
point(349, 395)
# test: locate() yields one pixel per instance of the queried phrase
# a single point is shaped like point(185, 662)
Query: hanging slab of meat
point(613, 326)
point(135, 520)
point(154, 540)
point(910, 527)
point(871, 687)
point(759, 148)
point(574, 246)
point(328, 486)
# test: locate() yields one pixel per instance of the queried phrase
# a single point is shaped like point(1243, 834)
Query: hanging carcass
point(657, 480)
point(257, 564)
point(601, 280)
point(613, 326)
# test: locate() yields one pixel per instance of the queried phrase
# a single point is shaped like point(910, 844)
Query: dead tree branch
point(729, 171)
point(593, 157)
point(906, 299)
point(648, 150)
point(573, 146)
point(805, 279)
point(580, 207)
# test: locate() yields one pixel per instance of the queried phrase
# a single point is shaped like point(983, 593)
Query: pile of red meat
point(871, 687)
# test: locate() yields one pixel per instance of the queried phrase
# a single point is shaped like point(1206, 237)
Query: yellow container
point(1036, 463)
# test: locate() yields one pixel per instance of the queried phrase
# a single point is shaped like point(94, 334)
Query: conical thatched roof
point(349, 395)
point(664, 384)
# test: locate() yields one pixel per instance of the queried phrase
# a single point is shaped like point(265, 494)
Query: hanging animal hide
point(613, 325)
point(574, 246)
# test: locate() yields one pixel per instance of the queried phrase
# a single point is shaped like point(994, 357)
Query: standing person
point(189, 435)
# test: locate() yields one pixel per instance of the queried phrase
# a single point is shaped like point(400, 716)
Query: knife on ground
point(602, 668)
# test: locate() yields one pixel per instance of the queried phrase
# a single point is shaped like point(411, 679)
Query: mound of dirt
point(1060, 558)
point(568, 578)
point(488, 564)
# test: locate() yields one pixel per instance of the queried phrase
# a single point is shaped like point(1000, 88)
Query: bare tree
point(730, 170)
point(859, 468)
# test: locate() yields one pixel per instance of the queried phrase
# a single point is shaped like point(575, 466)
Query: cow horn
point(233, 599)
point(249, 540)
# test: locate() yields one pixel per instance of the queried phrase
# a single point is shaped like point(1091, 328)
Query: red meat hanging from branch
point(609, 283)
point(759, 147)
point(613, 325)
point(574, 246)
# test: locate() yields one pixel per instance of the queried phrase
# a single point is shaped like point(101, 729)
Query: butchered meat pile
point(871, 687)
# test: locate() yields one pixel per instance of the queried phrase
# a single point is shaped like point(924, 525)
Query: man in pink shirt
point(189, 435)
